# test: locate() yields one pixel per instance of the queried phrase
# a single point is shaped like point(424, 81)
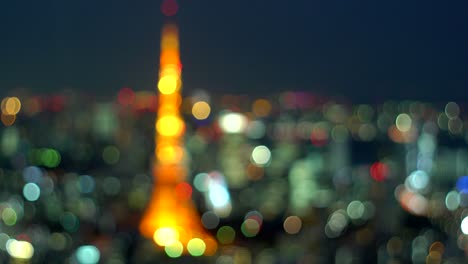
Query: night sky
point(361, 49)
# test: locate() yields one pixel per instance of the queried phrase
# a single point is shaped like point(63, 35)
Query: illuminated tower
point(171, 218)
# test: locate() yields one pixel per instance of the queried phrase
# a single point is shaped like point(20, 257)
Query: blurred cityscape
point(293, 177)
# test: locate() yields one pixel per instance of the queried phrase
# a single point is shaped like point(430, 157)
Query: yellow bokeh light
point(11, 105)
point(169, 154)
point(166, 236)
point(170, 42)
point(172, 222)
point(168, 84)
point(170, 126)
point(403, 122)
point(20, 249)
point(170, 69)
point(201, 110)
point(8, 120)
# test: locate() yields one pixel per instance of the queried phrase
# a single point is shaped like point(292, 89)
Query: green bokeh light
point(9, 216)
point(174, 250)
point(196, 247)
point(226, 235)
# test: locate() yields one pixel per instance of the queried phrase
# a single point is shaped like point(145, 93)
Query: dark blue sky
point(363, 49)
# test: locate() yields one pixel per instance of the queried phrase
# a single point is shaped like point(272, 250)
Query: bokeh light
point(21, 250)
point(201, 110)
point(31, 192)
point(226, 235)
point(174, 250)
point(403, 122)
point(11, 106)
point(464, 225)
point(165, 236)
point(233, 123)
point(88, 254)
point(261, 155)
point(196, 247)
point(292, 225)
point(168, 84)
point(170, 126)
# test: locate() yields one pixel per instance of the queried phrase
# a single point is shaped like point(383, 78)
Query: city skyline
point(366, 51)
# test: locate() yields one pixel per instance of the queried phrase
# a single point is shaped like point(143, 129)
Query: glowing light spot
point(261, 155)
point(417, 180)
point(219, 196)
point(85, 184)
point(168, 84)
point(88, 254)
point(183, 191)
point(126, 97)
point(452, 200)
point(169, 154)
point(8, 120)
point(379, 171)
point(9, 216)
point(201, 110)
point(403, 122)
point(319, 137)
point(200, 181)
point(174, 250)
point(452, 110)
point(413, 202)
point(226, 235)
point(169, 7)
point(19, 249)
point(166, 236)
point(233, 123)
point(11, 106)
point(50, 158)
point(337, 222)
point(464, 225)
point(210, 220)
point(292, 225)
point(462, 184)
point(170, 126)
point(261, 107)
point(355, 210)
point(111, 155)
point(255, 215)
point(70, 222)
point(250, 227)
point(196, 247)
point(31, 192)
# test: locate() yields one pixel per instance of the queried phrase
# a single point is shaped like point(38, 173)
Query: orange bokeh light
point(171, 219)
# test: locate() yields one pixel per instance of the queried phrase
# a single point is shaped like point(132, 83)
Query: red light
point(319, 137)
point(169, 7)
point(126, 96)
point(183, 191)
point(57, 103)
point(23, 237)
point(379, 171)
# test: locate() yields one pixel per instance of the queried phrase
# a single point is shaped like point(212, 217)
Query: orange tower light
point(171, 219)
